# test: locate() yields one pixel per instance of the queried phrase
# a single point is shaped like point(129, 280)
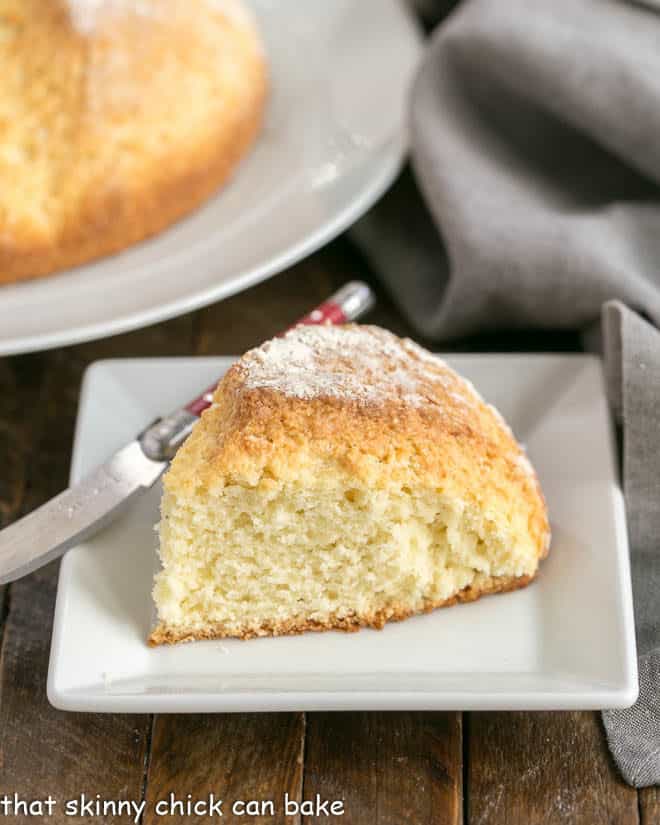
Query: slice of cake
point(343, 478)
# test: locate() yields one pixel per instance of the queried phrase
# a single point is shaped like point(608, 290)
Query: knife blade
point(84, 508)
point(77, 513)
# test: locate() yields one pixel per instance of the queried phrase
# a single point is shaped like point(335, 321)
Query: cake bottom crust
point(164, 634)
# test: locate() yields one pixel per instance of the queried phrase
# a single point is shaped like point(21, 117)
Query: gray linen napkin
point(536, 146)
point(632, 349)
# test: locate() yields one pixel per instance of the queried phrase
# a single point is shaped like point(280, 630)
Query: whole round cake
point(117, 117)
point(343, 478)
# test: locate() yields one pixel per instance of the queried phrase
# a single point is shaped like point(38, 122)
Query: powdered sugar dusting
point(85, 14)
point(362, 364)
point(498, 415)
point(235, 11)
point(526, 465)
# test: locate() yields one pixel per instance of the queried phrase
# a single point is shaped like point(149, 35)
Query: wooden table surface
point(389, 768)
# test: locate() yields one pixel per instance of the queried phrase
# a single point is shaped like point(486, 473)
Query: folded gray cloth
point(535, 145)
point(632, 349)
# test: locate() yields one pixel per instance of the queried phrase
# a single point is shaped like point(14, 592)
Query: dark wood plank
point(171, 338)
point(649, 806)
point(236, 757)
point(44, 751)
point(233, 326)
point(4, 609)
point(388, 768)
point(20, 383)
point(549, 768)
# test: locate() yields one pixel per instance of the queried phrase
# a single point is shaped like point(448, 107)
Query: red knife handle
point(348, 304)
point(163, 438)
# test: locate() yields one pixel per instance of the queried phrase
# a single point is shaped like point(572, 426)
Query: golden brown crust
point(113, 184)
point(112, 222)
point(162, 634)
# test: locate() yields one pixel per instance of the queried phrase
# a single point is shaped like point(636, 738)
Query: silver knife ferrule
point(163, 438)
point(355, 298)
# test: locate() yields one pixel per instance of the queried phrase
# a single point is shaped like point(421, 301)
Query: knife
point(80, 511)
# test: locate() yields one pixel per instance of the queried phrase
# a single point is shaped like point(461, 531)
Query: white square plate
point(567, 641)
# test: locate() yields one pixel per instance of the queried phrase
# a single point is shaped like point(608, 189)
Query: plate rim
point(590, 696)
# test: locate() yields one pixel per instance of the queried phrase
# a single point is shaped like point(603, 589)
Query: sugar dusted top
point(85, 14)
point(359, 363)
